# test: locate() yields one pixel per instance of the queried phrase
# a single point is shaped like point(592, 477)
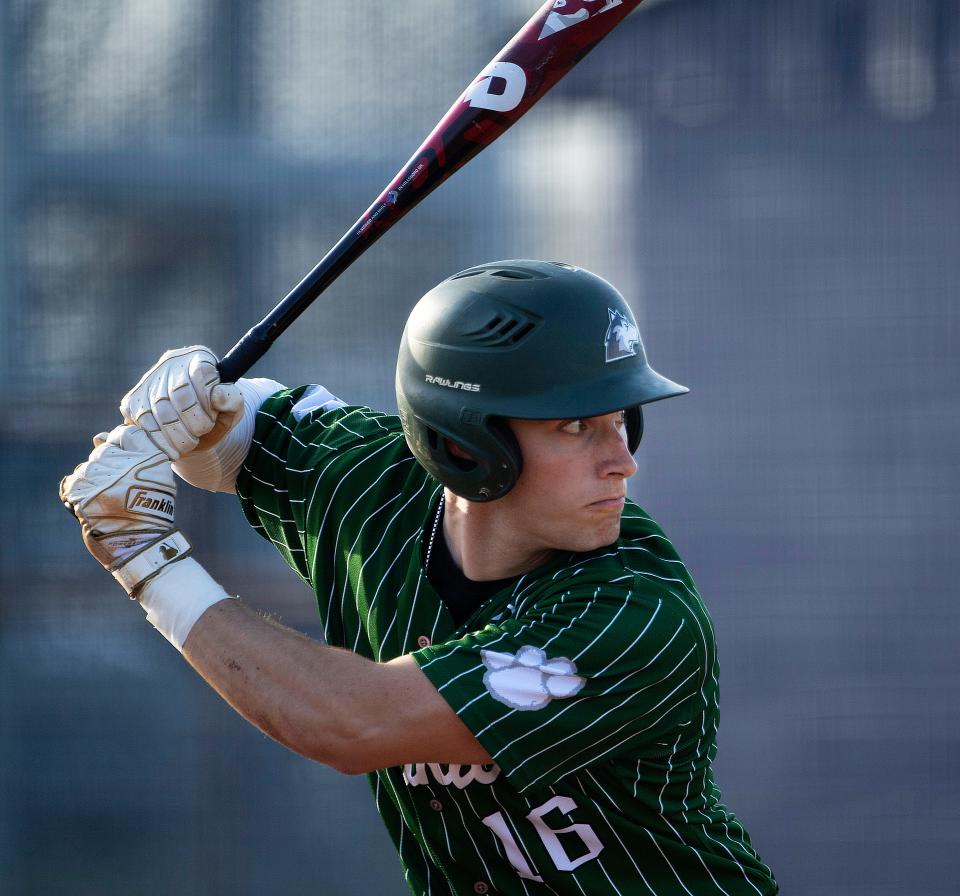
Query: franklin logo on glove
point(144, 501)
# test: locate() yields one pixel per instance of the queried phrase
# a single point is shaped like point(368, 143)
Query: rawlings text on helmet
point(452, 384)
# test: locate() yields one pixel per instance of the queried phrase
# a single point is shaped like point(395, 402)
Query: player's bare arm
point(326, 703)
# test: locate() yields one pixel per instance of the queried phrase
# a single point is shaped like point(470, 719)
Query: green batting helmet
point(527, 339)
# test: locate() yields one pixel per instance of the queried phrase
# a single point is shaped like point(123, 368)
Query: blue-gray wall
point(775, 186)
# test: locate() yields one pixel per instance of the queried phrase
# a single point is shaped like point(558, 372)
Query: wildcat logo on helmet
point(622, 337)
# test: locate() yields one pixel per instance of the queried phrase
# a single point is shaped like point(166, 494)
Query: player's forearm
point(303, 694)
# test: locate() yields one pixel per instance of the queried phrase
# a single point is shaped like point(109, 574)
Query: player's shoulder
point(644, 548)
point(640, 574)
point(641, 554)
point(311, 417)
point(304, 442)
point(654, 567)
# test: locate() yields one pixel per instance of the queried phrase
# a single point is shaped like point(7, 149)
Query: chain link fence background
point(775, 187)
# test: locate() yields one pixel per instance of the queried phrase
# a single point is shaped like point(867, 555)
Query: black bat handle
point(258, 339)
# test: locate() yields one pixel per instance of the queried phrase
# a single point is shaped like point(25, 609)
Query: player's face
point(571, 491)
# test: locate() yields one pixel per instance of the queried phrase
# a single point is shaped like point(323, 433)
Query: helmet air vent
point(505, 328)
point(501, 270)
point(512, 274)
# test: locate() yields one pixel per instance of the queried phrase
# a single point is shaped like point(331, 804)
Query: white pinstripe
point(466, 827)
point(610, 734)
point(573, 703)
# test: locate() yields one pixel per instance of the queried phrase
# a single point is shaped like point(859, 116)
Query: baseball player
point(515, 654)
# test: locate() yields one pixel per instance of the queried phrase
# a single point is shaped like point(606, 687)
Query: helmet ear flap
point(633, 417)
point(492, 470)
point(440, 448)
point(492, 462)
point(509, 447)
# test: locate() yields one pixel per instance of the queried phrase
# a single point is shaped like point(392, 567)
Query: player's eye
point(573, 427)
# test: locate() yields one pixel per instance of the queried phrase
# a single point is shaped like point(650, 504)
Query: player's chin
point(598, 531)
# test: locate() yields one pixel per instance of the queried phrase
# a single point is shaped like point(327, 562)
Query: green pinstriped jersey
point(591, 681)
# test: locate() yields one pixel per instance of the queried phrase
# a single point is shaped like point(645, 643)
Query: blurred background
point(773, 185)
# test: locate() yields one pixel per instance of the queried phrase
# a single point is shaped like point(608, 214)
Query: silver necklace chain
point(433, 533)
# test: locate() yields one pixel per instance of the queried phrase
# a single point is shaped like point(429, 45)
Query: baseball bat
point(555, 39)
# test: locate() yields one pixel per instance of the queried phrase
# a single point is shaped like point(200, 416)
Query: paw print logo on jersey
point(528, 680)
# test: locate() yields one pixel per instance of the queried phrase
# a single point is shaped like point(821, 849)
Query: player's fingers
point(130, 438)
point(179, 439)
point(185, 405)
point(135, 395)
point(66, 492)
point(202, 374)
point(202, 370)
point(148, 423)
point(68, 482)
point(74, 487)
point(178, 426)
point(133, 405)
point(227, 398)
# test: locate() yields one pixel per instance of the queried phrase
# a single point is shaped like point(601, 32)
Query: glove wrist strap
point(177, 597)
point(144, 565)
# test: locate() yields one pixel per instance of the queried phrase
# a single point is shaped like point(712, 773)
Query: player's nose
point(615, 456)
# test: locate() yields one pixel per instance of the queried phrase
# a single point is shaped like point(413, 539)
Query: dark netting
point(774, 185)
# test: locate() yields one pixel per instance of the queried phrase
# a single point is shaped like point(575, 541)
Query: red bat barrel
point(558, 36)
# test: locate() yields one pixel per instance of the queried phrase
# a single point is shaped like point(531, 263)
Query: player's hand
point(124, 497)
point(181, 404)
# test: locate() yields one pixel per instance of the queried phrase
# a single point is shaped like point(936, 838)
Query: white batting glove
point(124, 497)
point(181, 404)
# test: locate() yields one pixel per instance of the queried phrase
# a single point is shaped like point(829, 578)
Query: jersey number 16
point(551, 841)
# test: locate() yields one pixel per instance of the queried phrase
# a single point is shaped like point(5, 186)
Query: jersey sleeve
point(310, 457)
point(582, 676)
